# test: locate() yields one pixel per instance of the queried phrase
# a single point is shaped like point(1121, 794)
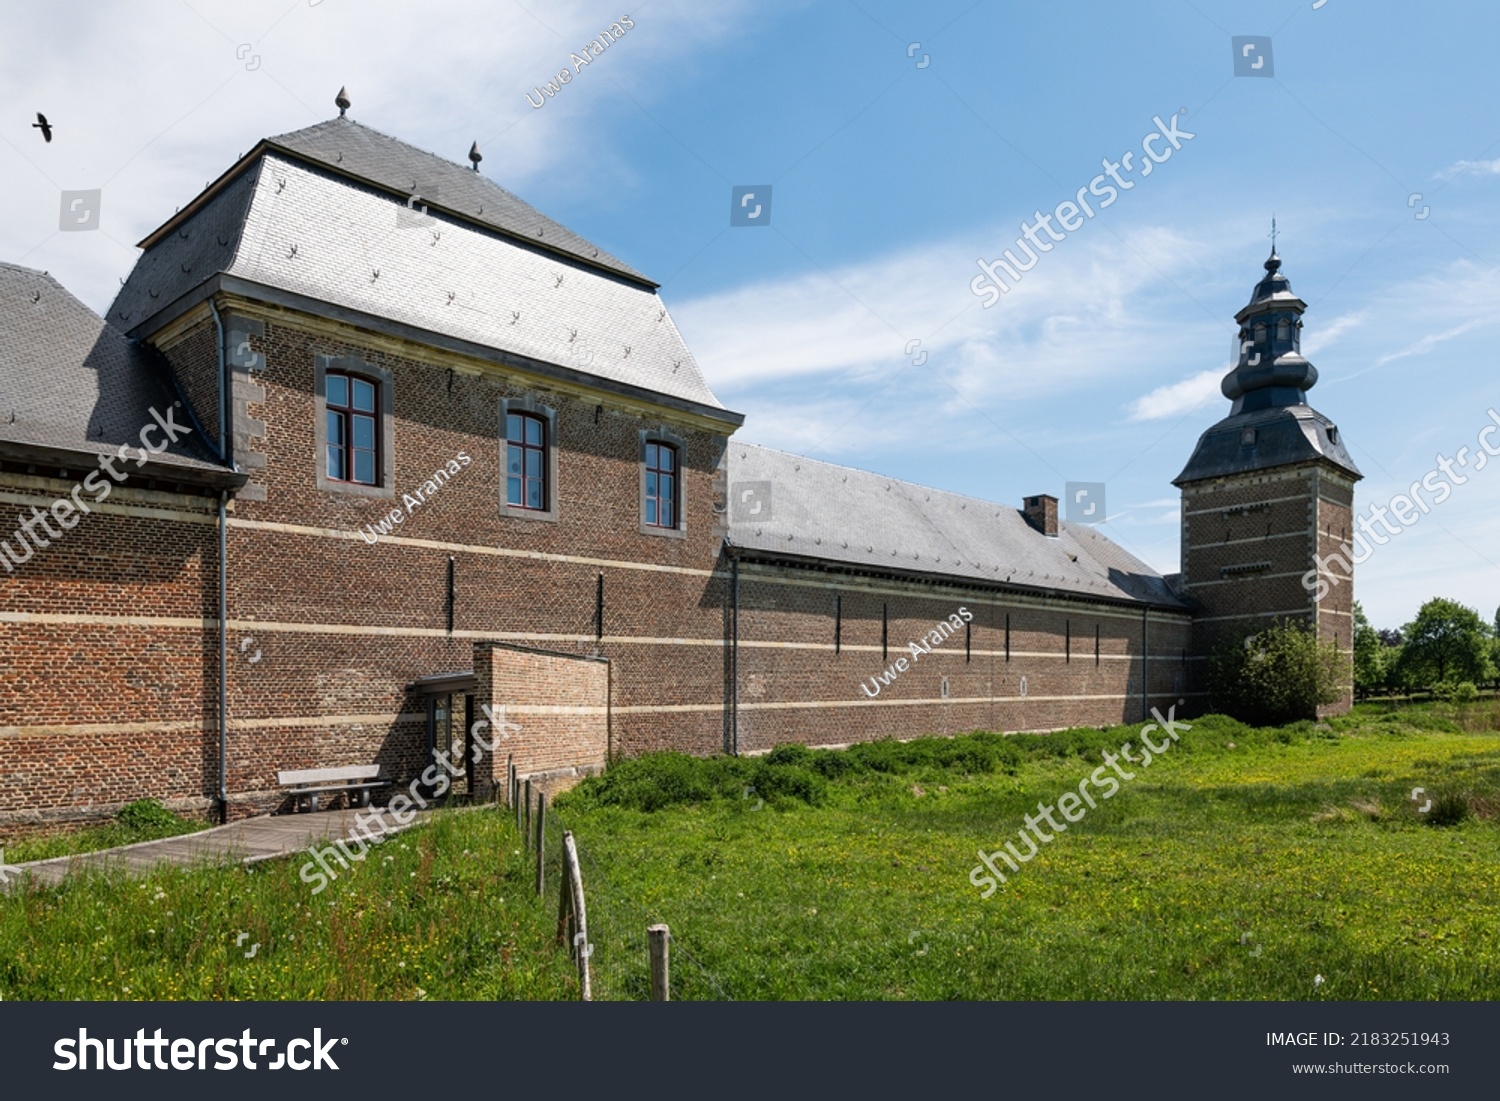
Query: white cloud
point(1328, 334)
point(1178, 398)
point(1434, 309)
point(1093, 309)
point(1470, 168)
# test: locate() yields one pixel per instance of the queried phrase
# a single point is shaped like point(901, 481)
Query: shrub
point(791, 753)
point(1461, 692)
point(1277, 675)
point(777, 781)
point(1449, 808)
point(658, 780)
point(147, 816)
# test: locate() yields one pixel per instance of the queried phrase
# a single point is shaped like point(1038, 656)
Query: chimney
point(1041, 513)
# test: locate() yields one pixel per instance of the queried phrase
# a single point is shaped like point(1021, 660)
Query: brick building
point(412, 449)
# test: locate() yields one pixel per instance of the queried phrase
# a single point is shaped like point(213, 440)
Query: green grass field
point(1241, 864)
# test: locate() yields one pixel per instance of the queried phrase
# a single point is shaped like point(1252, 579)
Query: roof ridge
point(558, 239)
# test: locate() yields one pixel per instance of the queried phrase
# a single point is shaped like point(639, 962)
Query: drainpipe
point(223, 586)
point(223, 660)
point(734, 658)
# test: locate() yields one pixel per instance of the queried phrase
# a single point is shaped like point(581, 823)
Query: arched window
point(1283, 330)
point(353, 413)
point(661, 485)
point(526, 461)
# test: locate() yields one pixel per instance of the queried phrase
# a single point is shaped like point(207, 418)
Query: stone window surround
point(661, 434)
point(354, 365)
point(529, 404)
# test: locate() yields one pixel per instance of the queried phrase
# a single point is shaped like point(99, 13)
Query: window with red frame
point(353, 412)
point(526, 461)
point(661, 485)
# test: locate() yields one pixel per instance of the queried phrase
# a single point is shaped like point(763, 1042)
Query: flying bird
point(43, 125)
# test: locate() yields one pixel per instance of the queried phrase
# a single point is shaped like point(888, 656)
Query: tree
point(1277, 675)
point(1447, 642)
point(1369, 655)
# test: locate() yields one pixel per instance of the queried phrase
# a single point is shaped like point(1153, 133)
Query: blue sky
point(891, 178)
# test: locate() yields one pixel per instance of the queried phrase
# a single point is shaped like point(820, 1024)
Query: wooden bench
point(312, 782)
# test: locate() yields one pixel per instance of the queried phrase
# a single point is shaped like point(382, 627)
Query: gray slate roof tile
point(69, 381)
point(304, 229)
point(349, 146)
point(813, 509)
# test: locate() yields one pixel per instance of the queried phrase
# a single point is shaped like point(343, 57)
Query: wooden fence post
point(526, 828)
point(659, 936)
point(510, 776)
point(582, 949)
point(564, 913)
point(541, 842)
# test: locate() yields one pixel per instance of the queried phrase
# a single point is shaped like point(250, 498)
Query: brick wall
point(810, 658)
point(1247, 543)
point(328, 630)
point(108, 656)
point(559, 707)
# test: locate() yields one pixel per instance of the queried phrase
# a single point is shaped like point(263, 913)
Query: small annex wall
point(555, 719)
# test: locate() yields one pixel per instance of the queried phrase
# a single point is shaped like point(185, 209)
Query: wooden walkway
point(247, 841)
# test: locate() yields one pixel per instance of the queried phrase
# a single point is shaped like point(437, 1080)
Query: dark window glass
point(661, 485)
point(526, 461)
point(352, 440)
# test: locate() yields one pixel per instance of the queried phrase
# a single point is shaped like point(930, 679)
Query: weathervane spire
point(1273, 235)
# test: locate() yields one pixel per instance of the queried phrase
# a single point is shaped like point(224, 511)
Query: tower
point(1268, 495)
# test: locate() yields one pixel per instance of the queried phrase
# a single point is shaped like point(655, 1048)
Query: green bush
point(1461, 692)
point(792, 753)
point(659, 780)
point(147, 816)
point(1449, 808)
point(1277, 675)
point(783, 781)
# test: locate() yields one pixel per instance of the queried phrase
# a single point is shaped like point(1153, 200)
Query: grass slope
point(1241, 865)
point(445, 911)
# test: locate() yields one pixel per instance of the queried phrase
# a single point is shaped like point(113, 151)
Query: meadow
point(1275, 863)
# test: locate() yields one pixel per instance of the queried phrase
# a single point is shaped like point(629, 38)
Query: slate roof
point(816, 510)
point(292, 218)
point(1283, 435)
point(71, 383)
point(350, 147)
point(1270, 423)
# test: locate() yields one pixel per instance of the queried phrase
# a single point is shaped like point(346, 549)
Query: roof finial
point(1273, 235)
point(475, 156)
point(341, 101)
